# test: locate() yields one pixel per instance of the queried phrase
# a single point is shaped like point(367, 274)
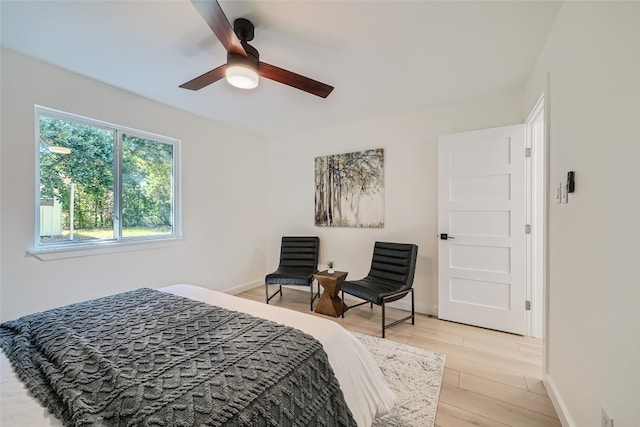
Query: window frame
point(68, 249)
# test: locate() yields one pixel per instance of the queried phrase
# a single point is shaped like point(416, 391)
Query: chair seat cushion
point(372, 290)
point(291, 276)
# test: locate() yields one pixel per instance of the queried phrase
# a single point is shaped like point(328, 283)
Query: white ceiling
point(382, 57)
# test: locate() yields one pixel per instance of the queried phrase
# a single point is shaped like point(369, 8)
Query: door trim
point(535, 214)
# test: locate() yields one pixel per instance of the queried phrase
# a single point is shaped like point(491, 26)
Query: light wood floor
point(490, 378)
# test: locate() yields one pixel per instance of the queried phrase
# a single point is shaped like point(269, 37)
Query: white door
point(481, 209)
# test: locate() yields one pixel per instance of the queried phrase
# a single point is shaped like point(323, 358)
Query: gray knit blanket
point(148, 358)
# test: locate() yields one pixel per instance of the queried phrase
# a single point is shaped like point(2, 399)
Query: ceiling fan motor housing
point(252, 60)
point(245, 31)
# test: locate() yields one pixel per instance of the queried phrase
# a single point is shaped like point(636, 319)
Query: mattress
point(363, 385)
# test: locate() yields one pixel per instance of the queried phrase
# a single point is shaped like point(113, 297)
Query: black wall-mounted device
point(571, 183)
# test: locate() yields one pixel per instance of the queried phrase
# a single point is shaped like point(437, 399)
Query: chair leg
point(404, 319)
point(383, 313)
point(413, 310)
point(266, 291)
point(349, 307)
point(313, 297)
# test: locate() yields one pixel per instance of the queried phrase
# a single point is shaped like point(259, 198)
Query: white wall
point(593, 57)
point(222, 192)
point(410, 173)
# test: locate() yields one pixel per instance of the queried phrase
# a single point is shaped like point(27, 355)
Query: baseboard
point(244, 287)
point(432, 310)
point(558, 402)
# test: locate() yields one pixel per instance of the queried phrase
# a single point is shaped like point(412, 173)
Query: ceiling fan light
point(242, 76)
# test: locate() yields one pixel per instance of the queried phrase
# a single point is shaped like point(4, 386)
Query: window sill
point(61, 252)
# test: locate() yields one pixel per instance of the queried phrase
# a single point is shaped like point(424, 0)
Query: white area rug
point(414, 375)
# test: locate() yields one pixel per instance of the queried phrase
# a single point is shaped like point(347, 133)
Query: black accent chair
point(298, 264)
point(390, 278)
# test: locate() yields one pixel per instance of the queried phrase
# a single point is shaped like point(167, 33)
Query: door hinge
point(527, 305)
point(527, 152)
point(527, 229)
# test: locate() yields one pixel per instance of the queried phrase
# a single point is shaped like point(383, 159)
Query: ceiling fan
point(243, 66)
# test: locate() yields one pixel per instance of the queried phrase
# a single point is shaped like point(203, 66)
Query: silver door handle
point(445, 236)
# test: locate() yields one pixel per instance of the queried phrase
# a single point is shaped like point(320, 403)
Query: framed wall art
point(350, 189)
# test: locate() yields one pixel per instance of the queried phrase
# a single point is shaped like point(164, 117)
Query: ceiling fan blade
point(218, 22)
point(206, 79)
point(289, 78)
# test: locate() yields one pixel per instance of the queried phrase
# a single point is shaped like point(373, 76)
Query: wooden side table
point(330, 303)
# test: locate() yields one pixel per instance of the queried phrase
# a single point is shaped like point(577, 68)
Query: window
point(99, 183)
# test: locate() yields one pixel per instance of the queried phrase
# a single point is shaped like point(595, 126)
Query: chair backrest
point(394, 264)
point(299, 251)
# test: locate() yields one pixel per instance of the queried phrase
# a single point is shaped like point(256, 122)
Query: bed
point(361, 383)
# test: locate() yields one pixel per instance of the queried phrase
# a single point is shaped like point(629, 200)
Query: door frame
point(545, 98)
point(536, 207)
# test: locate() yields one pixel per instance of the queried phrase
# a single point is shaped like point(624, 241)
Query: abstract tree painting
point(350, 189)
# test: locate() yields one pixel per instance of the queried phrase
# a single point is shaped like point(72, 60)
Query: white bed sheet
point(362, 382)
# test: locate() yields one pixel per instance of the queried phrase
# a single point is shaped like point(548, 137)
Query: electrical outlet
point(607, 421)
